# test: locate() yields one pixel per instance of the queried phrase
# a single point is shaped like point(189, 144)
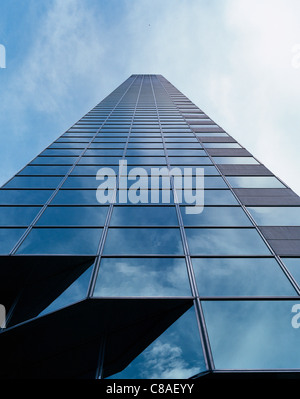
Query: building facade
point(146, 242)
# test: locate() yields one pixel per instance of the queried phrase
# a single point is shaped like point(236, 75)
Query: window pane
point(225, 241)
point(61, 152)
point(73, 216)
point(254, 182)
point(176, 354)
point(189, 160)
point(34, 182)
point(235, 160)
point(217, 216)
point(93, 169)
point(240, 276)
point(9, 238)
point(142, 277)
point(143, 152)
point(143, 241)
point(221, 145)
point(146, 160)
point(45, 170)
point(210, 197)
point(293, 265)
point(77, 197)
point(83, 241)
point(276, 216)
point(187, 152)
point(194, 146)
point(143, 215)
point(54, 160)
point(17, 215)
point(81, 181)
point(252, 334)
point(24, 197)
point(106, 152)
point(76, 292)
point(99, 160)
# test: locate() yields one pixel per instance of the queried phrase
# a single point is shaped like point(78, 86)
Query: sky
point(237, 60)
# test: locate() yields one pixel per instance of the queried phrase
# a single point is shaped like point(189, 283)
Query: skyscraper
point(145, 242)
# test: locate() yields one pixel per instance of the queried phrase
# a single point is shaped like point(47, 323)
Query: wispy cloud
point(233, 59)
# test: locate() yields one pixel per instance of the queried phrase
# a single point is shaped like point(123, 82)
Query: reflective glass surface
point(240, 277)
point(210, 197)
point(235, 160)
point(293, 266)
point(189, 160)
point(17, 215)
point(73, 216)
point(45, 170)
point(61, 241)
point(24, 197)
point(34, 182)
point(225, 241)
point(8, 238)
point(276, 215)
point(143, 241)
point(142, 277)
point(176, 354)
point(254, 182)
point(78, 197)
point(252, 334)
point(77, 291)
point(217, 216)
point(143, 215)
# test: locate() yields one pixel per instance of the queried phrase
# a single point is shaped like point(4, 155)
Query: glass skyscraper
point(146, 242)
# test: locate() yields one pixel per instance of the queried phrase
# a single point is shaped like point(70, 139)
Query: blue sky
point(238, 60)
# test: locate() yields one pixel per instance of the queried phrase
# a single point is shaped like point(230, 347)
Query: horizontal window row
point(134, 180)
point(136, 241)
point(111, 170)
point(154, 160)
point(254, 182)
point(122, 216)
point(215, 277)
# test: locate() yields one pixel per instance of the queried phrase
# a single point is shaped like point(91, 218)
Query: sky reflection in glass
point(252, 334)
point(176, 354)
point(121, 277)
point(240, 276)
point(225, 241)
point(143, 241)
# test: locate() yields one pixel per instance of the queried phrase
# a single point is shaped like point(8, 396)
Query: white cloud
point(165, 360)
point(233, 59)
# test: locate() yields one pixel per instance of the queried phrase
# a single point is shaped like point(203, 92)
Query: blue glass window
point(18, 215)
point(143, 241)
point(217, 216)
point(63, 240)
point(240, 277)
point(142, 277)
point(24, 197)
point(276, 215)
point(77, 197)
point(73, 216)
point(252, 334)
point(9, 238)
point(34, 182)
point(176, 354)
point(254, 182)
point(144, 216)
point(225, 241)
